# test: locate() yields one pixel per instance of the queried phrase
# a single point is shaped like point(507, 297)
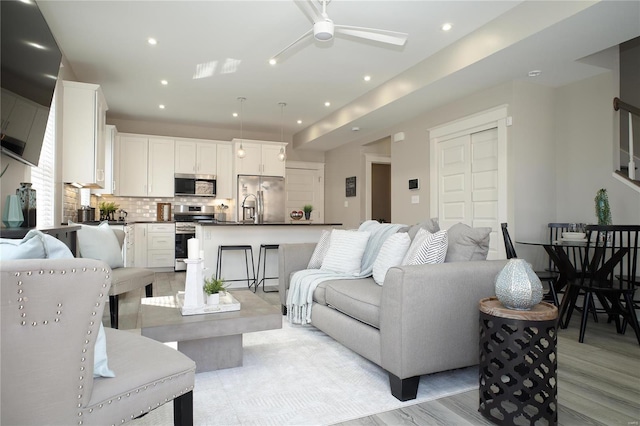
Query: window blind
point(42, 177)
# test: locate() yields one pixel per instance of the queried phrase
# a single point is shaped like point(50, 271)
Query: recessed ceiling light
point(446, 27)
point(161, 106)
point(327, 104)
point(152, 41)
point(299, 121)
point(164, 82)
point(235, 114)
point(534, 73)
point(355, 129)
point(367, 78)
point(272, 61)
point(36, 45)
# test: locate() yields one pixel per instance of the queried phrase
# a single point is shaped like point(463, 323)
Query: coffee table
point(214, 340)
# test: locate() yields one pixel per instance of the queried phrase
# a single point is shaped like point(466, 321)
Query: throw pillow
point(467, 243)
point(100, 243)
point(433, 249)
point(100, 361)
point(346, 249)
point(430, 225)
point(320, 251)
point(391, 254)
point(34, 245)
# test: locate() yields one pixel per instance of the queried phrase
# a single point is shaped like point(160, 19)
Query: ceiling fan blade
point(310, 9)
point(275, 57)
point(383, 36)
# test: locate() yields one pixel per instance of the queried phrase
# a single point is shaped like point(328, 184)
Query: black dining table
point(569, 258)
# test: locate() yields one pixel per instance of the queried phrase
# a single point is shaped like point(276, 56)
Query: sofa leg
point(404, 389)
point(148, 290)
point(284, 310)
point(113, 310)
point(183, 410)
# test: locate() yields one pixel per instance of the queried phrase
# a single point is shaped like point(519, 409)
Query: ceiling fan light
point(323, 30)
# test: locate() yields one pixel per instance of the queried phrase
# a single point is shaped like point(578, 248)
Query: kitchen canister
point(27, 196)
point(12, 214)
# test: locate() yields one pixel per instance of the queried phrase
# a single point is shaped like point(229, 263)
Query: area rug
point(300, 376)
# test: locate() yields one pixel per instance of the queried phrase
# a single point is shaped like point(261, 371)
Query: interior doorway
point(378, 187)
point(381, 192)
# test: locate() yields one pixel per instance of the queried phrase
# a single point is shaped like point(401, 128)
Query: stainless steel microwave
point(195, 185)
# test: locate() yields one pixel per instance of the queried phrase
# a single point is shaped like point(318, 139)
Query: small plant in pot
point(213, 287)
point(308, 208)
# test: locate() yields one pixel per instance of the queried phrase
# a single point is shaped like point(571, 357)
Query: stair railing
point(631, 110)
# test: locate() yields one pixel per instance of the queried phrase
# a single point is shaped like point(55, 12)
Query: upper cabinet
point(261, 158)
point(23, 120)
point(83, 134)
point(195, 157)
point(224, 176)
point(110, 163)
point(146, 166)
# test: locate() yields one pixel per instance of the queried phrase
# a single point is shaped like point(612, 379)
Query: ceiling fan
point(323, 29)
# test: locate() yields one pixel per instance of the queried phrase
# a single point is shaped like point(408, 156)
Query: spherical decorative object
point(517, 286)
point(296, 215)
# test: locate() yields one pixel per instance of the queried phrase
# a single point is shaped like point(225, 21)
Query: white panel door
point(454, 181)
point(468, 183)
point(484, 186)
point(305, 186)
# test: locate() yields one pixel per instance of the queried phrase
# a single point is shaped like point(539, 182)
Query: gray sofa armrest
point(291, 258)
point(429, 315)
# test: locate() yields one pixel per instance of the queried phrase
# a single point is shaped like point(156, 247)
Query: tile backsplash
point(137, 208)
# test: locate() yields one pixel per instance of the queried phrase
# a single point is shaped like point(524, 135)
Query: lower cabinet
point(154, 245)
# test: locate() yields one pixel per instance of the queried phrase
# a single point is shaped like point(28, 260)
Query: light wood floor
point(598, 381)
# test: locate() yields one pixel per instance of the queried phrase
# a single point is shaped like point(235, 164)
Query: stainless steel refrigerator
point(261, 199)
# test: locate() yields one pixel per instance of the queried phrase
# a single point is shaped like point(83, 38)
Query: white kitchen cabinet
point(84, 111)
point(155, 245)
point(261, 158)
point(146, 166)
point(224, 179)
point(129, 245)
point(110, 166)
point(196, 157)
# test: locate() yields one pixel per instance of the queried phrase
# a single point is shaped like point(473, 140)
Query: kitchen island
point(212, 235)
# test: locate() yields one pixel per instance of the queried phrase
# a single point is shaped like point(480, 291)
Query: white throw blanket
point(303, 283)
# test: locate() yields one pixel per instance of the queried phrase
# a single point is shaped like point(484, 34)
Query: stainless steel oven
point(186, 218)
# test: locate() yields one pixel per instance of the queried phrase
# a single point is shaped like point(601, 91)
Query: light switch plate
point(415, 199)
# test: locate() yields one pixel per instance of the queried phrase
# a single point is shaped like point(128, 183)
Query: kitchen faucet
point(245, 208)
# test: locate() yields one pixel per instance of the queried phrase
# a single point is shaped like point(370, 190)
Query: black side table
point(518, 363)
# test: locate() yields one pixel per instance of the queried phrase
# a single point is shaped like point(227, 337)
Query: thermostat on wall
point(413, 184)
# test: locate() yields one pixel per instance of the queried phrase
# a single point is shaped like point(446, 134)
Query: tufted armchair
point(51, 310)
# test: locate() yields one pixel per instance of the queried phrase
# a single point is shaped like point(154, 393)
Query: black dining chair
point(610, 266)
point(548, 276)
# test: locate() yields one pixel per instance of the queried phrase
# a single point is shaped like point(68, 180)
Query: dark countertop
point(127, 222)
point(21, 232)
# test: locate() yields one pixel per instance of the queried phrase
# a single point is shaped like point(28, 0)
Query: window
point(42, 177)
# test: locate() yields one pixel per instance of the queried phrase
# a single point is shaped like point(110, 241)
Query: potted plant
point(107, 210)
point(308, 208)
point(213, 287)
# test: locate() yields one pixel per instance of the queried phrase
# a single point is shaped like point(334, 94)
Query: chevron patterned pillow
point(427, 248)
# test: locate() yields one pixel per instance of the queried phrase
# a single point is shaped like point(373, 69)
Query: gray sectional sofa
point(422, 320)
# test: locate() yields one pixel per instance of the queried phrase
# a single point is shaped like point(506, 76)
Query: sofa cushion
point(345, 251)
point(359, 299)
point(430, 225)
point(100, 243)
point(467, 243)
point(320, 251)
point(391, 254)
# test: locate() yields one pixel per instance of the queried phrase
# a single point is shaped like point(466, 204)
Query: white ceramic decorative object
point(213, 299)
point(193, 294)
point(517, 286)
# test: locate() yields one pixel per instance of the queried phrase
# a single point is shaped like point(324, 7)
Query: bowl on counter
point(573, 235)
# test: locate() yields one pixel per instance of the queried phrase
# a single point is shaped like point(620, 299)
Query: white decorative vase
point(213, 299)
point(517, 286)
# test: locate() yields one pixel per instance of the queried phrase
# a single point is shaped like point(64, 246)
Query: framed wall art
point(350, 186)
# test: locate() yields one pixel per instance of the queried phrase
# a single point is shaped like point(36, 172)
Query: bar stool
point(263, 249)
point(246, 249)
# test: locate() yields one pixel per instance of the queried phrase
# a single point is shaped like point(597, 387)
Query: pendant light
point(241, 152)
point(281, 155)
